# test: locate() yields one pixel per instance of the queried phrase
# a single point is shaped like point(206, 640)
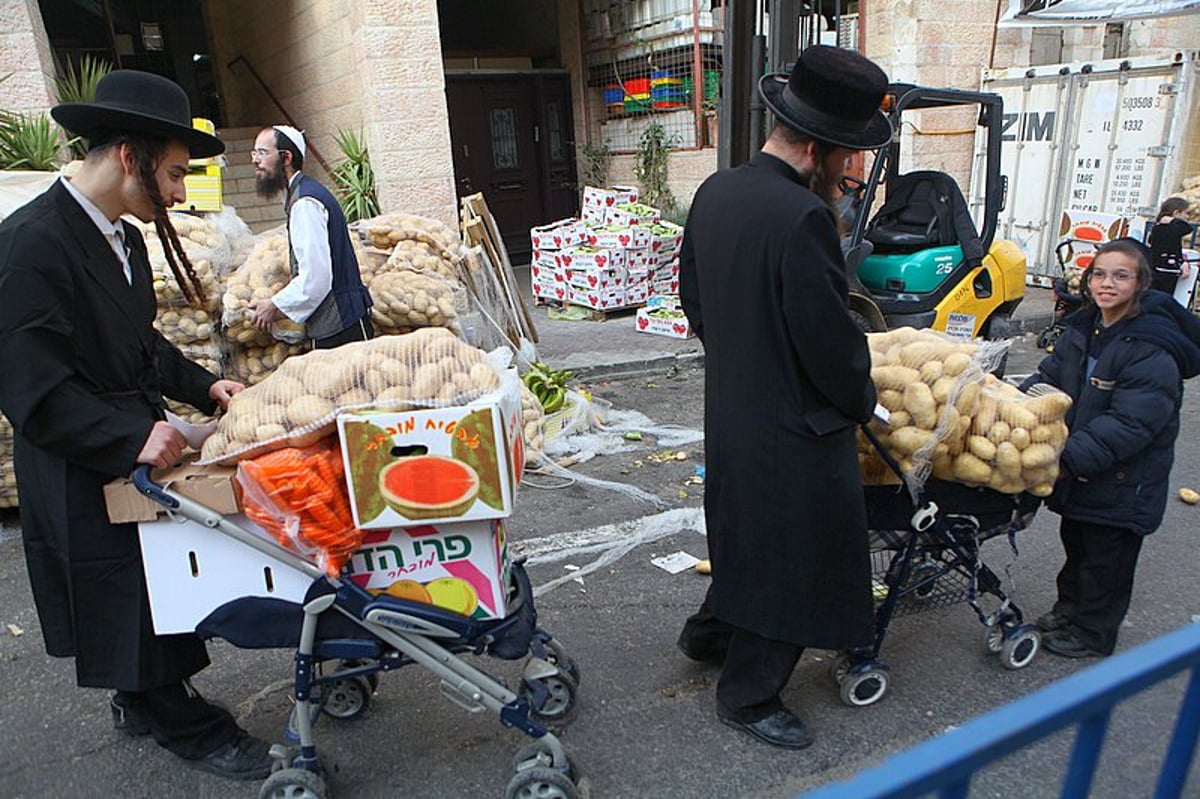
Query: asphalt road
point(645, 725)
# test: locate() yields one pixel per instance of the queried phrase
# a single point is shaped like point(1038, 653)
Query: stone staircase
point(238, 182)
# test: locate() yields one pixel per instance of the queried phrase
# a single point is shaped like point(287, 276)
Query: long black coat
point(1126, 382)
point(84, 379)
point(787, 376)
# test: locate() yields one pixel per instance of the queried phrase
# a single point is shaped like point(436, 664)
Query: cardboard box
point(593, 214)
point(437, 465)
point(663, 317)
point(550, 274)
point(557, 235)
point(593, 279)
point(617, 236)
point(636, 293)
point(640, 258)
point(600, 301)
point(633, 213)
point(582, 257)
point(550, 290)
point(594, 197)
point(665, 237)
point(211, 486)
point(463, 567)
point(191, 570)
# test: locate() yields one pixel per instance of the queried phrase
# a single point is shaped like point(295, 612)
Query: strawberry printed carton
point(553, 290)
point(594, 279)
point(552, 273)
point(557, 235)
point(598, 300)
point(637, 274)
point(618, 236)
point(593, 214)
point(639, 259)
point(592, 257)
point(462, 567)
point(632, 214)
point(665, 237)
point(662, 316)
point(636, 293)
point(594, 197)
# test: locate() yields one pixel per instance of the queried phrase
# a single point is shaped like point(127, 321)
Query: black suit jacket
point(85, 374)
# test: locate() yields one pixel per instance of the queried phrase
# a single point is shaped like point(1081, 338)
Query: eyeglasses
point(1120, 276)
point(260, 152)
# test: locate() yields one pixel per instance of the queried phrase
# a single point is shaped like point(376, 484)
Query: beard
point(271, 182)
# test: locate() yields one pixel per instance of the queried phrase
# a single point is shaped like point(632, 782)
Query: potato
point(1020, 437)
point(981, 448)
point(1008, 459)
point(1036, 455)
point(970, 469)
point(908, 440)
point(894, 377)
point(891, 399)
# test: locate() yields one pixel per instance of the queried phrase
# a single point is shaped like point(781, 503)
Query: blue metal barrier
point(944, 765)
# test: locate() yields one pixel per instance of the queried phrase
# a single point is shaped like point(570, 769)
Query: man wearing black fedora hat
point(86, 375)
point(787, 380)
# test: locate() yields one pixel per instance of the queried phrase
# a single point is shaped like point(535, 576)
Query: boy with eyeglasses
point(1122, 358)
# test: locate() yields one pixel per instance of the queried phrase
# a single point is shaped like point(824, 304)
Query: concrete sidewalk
point(615, 347)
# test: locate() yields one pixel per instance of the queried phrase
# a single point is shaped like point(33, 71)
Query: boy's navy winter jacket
point(1125, 415)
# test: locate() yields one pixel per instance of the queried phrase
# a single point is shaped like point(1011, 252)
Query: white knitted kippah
point(295, 136)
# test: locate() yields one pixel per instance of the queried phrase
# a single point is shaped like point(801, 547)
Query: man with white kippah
point(326, 292)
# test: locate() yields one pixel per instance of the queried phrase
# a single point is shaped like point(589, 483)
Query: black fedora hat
point(130, 101)
point(833, 95)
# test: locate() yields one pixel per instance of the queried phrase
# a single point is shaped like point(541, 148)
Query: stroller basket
point(925, 555)
point(344, 636)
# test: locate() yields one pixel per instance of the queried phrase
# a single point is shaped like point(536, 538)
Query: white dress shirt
point(308, 232)
point(113, 232)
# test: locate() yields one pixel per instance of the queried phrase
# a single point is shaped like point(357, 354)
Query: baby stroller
point(925, 555)
point(1065, 299)
point(362, 634)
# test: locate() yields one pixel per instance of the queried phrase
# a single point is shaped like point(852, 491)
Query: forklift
point(919, 261)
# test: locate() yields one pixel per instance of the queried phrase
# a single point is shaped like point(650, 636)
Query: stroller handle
point(145, 485)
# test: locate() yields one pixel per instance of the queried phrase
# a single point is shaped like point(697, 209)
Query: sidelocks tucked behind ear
point(143, 112)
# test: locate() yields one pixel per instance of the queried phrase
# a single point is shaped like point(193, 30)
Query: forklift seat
point(923, 210)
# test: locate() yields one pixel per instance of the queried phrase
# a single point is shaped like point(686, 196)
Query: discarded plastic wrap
point(298, 403)
point(949, 417)
point(266, 271)
point(299, 496)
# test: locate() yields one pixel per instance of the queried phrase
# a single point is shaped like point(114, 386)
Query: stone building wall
point(25, 58)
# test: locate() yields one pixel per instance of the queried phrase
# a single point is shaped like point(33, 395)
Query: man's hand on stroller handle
point(163, 446)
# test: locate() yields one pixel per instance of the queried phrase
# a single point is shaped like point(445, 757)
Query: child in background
point(1122, 358)
point(1166, 244)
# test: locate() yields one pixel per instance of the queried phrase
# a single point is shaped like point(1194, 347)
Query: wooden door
point(556, 141)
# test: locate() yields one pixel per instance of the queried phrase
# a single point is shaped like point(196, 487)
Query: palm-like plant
point(354, 180)
point(27, 141)
point(80, 87)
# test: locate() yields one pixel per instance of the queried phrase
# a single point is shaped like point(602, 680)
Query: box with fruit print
point(557, 235)
point(593, 279)
point(618, 236)
point(665, 239)
point(462, 567)
point(435, 465)
point(595, 197)
point(597, 258)
point(553, 290)
point(662, 316)
point(597, 300)
point(631, 214)
point(551, 272)
point(639, 259)
point(637, 292)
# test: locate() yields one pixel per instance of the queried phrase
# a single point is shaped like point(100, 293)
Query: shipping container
point(1112, 137)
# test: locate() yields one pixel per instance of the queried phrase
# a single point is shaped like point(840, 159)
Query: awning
point(1091, 12)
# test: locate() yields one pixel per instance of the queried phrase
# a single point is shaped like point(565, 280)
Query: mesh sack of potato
point(184, 326)
point(422, 256)
point(407, 300)
point(208, 355)
point(387, 230)
point(8, 475)
point(251, 364)
point(533, 425)
point(237, 233)
point(265, 272)
point(952, 419)
point(298, 404)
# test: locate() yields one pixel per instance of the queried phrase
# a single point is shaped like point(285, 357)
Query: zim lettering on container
point(1030, 126)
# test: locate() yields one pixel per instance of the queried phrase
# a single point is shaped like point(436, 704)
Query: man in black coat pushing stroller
point(787, 380)
point(85, 379)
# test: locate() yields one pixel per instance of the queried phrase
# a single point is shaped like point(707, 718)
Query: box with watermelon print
point(462, 567)
point(435, 465)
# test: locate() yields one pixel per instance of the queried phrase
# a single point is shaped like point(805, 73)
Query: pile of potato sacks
point(953, 420)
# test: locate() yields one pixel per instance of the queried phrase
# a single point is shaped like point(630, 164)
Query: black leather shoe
point(781, 728)
point(127, 717)
point(1066, 643)
point(243, 758)
point(712, 656)
point(1050, 621)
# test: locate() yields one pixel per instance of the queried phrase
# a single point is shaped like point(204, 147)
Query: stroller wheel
point(346, 699)
point(839, 668)
point(993, 638)
point(1020, 646)
point(293, 783)
point(865, 687)
point(556, 654)
point(536, 753)
point(559, 705)
point(540, 782)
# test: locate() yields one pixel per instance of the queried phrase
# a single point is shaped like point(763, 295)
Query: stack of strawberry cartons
point(548, 272)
